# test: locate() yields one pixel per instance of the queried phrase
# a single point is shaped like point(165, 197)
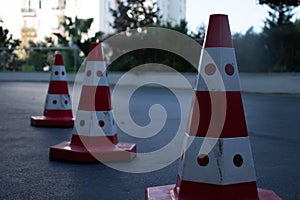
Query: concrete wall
point(274, 83)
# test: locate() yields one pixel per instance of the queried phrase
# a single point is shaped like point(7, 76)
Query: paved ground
point(27, 173)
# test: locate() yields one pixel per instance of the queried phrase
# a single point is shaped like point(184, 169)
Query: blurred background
point(266, 33)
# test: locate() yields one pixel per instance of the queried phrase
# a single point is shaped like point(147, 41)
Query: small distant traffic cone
point(58, 106)
point(216, 165)
point(95, 138)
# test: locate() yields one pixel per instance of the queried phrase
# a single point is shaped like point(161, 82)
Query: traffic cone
point(95, 138)
point(218, 164)
point(58, 106)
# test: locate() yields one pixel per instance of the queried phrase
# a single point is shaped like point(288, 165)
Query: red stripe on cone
point(58, 113)
point(232, 124)
point(96, 52)
point(218, 32)
point(58, 60)
point(58, 87)
point(95, 141)
point(167, 193)
point(192, 190)
point(95, 98)
point(93, 149)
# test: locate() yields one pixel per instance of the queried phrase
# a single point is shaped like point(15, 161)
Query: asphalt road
point(27, 173)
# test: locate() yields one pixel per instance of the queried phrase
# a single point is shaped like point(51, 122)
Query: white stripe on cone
point(95, 74)
point(58, 102)
point(95, 123)
point(213, 75)
point(220, 169)
point(58, 73)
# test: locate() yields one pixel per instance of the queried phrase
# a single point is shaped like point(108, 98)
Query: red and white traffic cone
point(218, 164)
point(95, 139)
point(58, 106)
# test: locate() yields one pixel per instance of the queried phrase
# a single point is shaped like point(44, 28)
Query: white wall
point(172, 10)
point(11, 16)
point(46, 20)
point(105, 16)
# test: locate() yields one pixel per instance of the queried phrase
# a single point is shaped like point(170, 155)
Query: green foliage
point(147, 55)
point(181, 27)
point(249, 52)
point(200, 34)
point(282, 45)
point(280, 36)
point(274, 49)
point(8, 59)
point(133, 14)
point(77, 33)
point(27, 68)
point(173, 60)
point(128, 16)
point(40, 58)
point(281, 11)
point(131, 59)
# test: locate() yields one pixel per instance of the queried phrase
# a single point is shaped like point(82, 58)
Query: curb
point(269, 83)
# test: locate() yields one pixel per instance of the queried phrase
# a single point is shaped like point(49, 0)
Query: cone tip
point(219, 15)
point(218, 32)
point(95, 52)
point(58, 60)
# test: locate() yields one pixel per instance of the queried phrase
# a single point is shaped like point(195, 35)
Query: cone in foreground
point(58, 106)
point(95, 138)
point(217, 162)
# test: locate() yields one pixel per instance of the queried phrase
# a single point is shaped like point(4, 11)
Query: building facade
point(41, 18)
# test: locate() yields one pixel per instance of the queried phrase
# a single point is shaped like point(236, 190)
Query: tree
point(281, 46)
point(181, 27)
point(250, 53)
point(136, 14)
point(77, 33)
point(281, 13)
point(8, 58)
point(40, 58)
point(279, 38)
point(199, 35)
point(133, 14)
point(142, 56)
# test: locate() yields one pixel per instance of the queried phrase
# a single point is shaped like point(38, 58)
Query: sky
point(242, 14)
